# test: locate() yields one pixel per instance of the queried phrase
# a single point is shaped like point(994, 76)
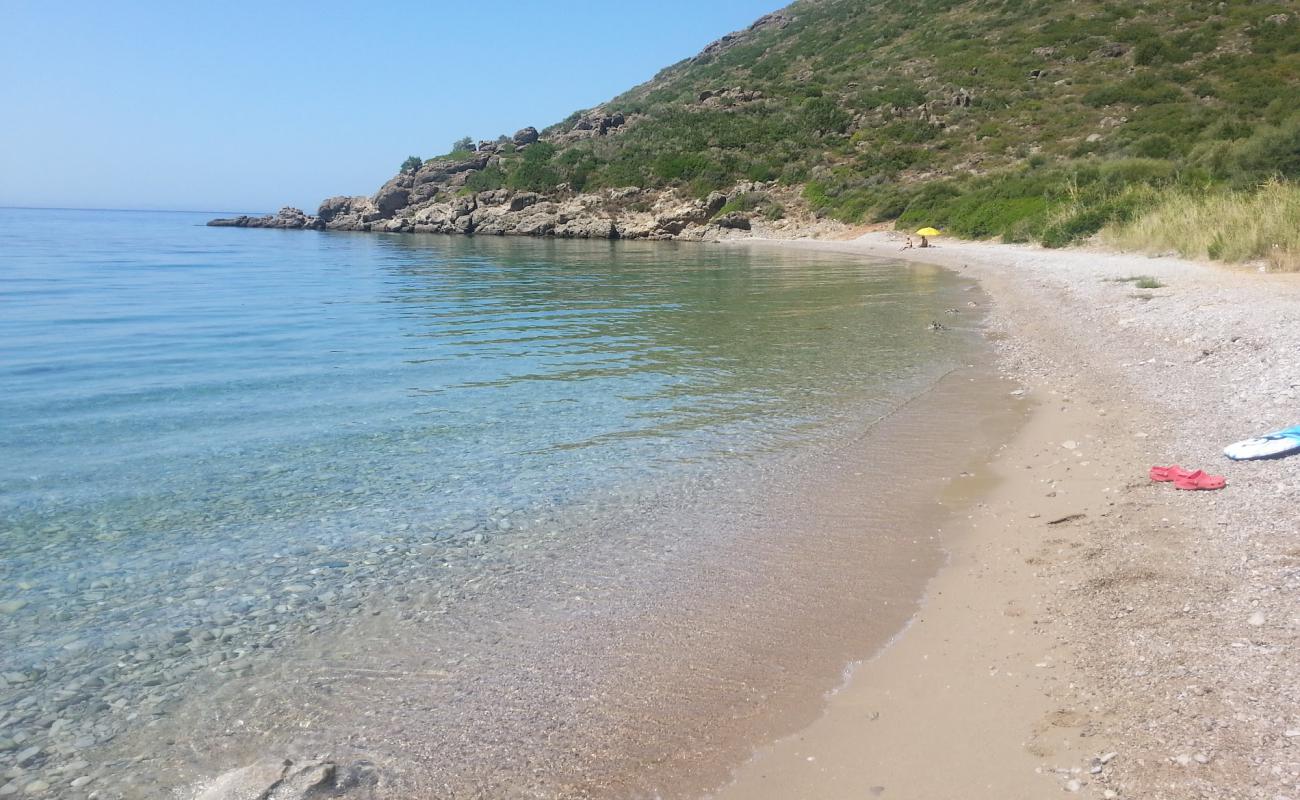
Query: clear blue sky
point(248, 106)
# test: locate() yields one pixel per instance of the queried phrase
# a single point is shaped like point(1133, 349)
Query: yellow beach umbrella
point(927, 232)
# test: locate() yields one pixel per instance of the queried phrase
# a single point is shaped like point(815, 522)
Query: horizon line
point(134, 210)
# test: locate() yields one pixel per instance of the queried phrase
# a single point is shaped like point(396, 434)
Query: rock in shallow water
point(12, 606)
point(285, 780)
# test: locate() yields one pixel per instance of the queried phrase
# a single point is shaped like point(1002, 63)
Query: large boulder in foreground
point(284, 780)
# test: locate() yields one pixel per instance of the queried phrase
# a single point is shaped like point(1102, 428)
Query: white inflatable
point(1270, 446)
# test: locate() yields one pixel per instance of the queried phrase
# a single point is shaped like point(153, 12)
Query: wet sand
point(1094, 632)
point(967, 701)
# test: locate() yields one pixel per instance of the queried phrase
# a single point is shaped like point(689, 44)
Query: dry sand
point(1145, 644)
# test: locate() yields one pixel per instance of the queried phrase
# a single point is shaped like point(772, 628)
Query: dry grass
point(1258, 225)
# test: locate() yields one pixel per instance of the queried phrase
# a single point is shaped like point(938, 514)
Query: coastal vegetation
point(1042, 121)
point(1049, 121)
point(1227, 225)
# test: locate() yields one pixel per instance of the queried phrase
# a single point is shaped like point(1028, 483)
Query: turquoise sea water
point(201, 426)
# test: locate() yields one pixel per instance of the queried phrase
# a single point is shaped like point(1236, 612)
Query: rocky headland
point(437, 198)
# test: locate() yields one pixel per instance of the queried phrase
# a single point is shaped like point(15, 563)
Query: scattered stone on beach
point(1256, 619)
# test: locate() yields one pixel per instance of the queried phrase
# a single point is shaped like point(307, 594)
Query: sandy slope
point(1159, 630)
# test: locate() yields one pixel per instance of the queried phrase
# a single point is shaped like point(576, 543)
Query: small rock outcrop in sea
point(286, 217)
point(285, 780)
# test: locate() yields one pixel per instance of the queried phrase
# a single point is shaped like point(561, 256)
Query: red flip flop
point(1166, 474)
point(1200, 481)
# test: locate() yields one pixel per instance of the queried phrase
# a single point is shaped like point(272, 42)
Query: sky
point(244, 106)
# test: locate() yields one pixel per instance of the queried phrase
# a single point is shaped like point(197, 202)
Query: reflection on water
point(215, 439)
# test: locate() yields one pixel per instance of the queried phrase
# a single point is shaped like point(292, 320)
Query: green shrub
point(1145, 88)
point(823, 115)
point(1157, 145)
point(1159, 51)
point(487, 179)
point(1270, 152)
point(1075, 226)
point(681, 166)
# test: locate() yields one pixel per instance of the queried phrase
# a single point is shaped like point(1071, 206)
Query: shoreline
point(1082, 612)
point(1112, 654)
point(654, 661)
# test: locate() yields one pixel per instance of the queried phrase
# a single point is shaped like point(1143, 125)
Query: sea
point(467, 515)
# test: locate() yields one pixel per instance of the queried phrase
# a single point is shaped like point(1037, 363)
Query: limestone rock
point(521, 201)
point(285, 780)
point(596, 123)
point(734, 221)
point(674, 219)
point(439, 170)
point(721, 98)
point(286, 217)
point(347, 213)
point(394, 195)
point(332, 207)
point(526, 136)
point(775, 20)
point(588, 228)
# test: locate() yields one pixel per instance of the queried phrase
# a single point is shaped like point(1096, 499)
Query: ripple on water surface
point(216, 441)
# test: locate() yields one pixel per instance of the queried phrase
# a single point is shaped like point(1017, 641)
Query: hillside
point(1044, 119)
